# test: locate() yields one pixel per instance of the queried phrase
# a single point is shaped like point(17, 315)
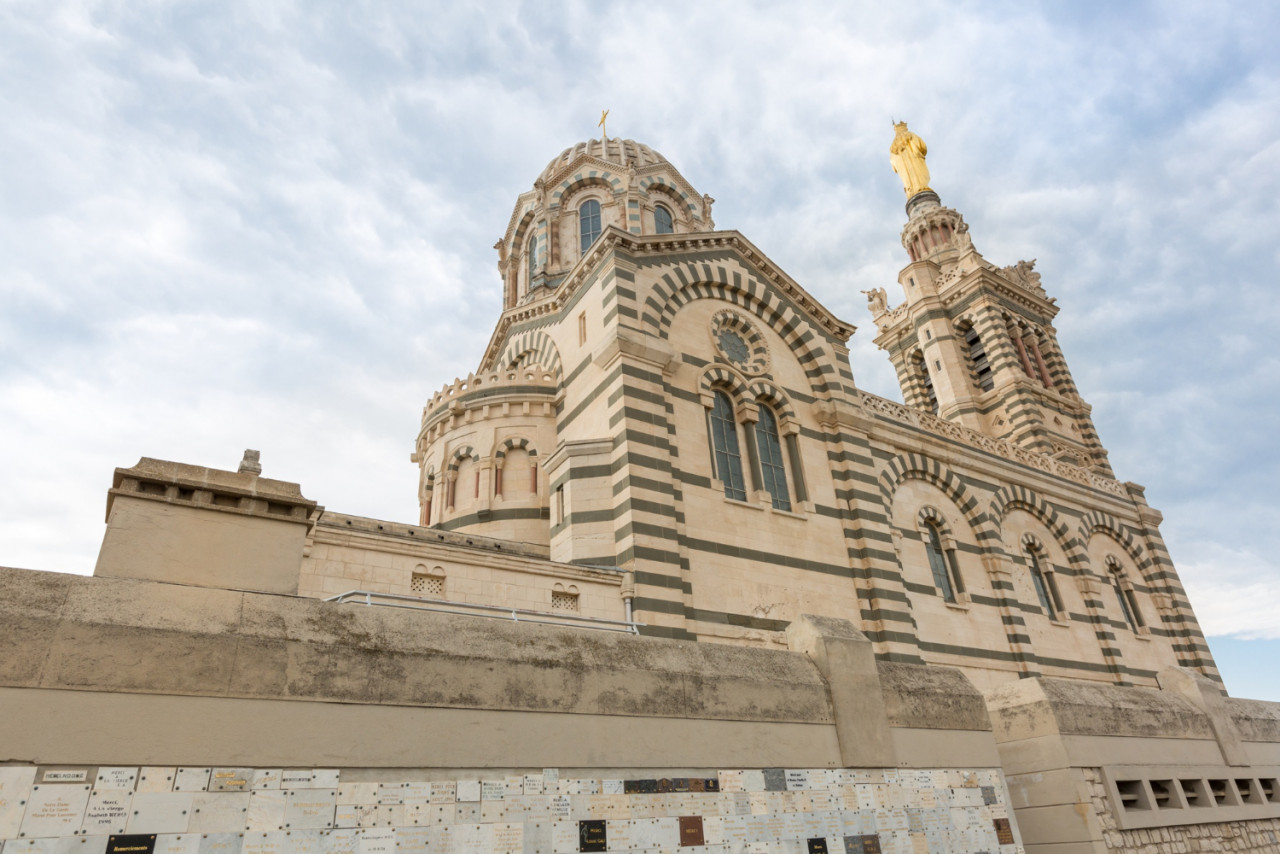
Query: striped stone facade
point(629, 340)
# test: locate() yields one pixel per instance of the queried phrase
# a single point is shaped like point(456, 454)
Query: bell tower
point(974, 343)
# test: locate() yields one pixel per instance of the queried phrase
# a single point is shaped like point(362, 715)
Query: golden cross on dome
point(604, 133)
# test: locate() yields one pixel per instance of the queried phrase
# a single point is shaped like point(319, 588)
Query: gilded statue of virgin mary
point(906, 155)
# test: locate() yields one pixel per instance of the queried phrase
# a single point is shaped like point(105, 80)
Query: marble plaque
point(15, 787)
point(390, 793)
point(413, 794)
point(730, 781)
point(533, 784)
point(34, 846)
point(388, 815)
point(119, 779)
point(218, 812)
point(107, 812)
point(514, 785)
point(154, 778)
point(1004, 832)
point(54, 810)
point(564, 837)
point(378, 840)
point(220, 843)
point(323, 778)
point(266, 811)
point(357, 793)
point(611, 787)
point(508, 838)
point(191, 779)
point(177, 843)
point(267, 778)
point(537, 837)
point(160, 812)
point(65, 775)
point(775, 780)
point(443, 791)
point(551, 776)
point(73, 844)
point(340, 841)
point(264, 842)
point(753, 781)
point(355, 815)
point(230, 779)
point(309, 808)
point(468, 813)
point(132, 843)
point(797, 780)
point(468, 790)
point(296, 778)
point(413, 838)
point(492, 790)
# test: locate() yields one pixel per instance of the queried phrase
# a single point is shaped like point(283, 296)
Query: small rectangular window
point(582, 328)
point(562, 601)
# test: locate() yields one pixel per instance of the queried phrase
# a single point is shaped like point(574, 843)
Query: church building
point(676, 582)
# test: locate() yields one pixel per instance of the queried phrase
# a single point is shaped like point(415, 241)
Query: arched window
point(589, 223)
point(533, 260)
point(931, 396)
point(726, 457)
point(978, 355)
point(1124, 595)
point(1046, 586)
point(772, 471)
point(662, 222)
point(942, 563)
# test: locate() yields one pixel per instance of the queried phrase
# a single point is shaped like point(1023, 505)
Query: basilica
point(675, 582)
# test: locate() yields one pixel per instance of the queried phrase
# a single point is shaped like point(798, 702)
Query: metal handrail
point(497, 612)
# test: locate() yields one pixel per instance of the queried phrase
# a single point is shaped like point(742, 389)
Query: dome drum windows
point(663, 223)
point(589, 224)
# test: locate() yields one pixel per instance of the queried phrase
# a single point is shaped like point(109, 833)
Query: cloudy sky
point(269, 225)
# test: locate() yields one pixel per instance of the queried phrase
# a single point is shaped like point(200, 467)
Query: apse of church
point(658, 397)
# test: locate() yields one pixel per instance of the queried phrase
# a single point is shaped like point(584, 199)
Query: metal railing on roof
point(492, 612)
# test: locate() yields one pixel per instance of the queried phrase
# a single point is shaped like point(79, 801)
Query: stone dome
point(619, 151)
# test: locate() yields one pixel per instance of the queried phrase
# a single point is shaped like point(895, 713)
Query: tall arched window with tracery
point(726, 456)
point(772, 471)
point(1045, 584)
point(1125, 596)
point(942, 559)
point(662, 221)
point(588, 223)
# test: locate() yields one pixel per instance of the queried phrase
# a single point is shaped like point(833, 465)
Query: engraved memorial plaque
point(267, 778)
point(731, 781)
point(862, 844)
point(154, 778)
point(468, 790)
point(415, 794)
point(296, 778)
point(413, 838)
point(378, 840)
point(775, 780)
point(611, 787)
point(218, 812)
point(753, 781)
point(266, 811)
point(1004, 832)
point(988, 795)
point(15, 787)
point(533, 784)
point(816, 845)
point(191, 779)
point(220, 843)
point(230, 779)
point(65, 775)
point(390, 793)
point(133, 843)
point(508, 838)
point(443, 792)
point(492, 790)
point(264, 842)
point(797, 780)
point(592, 835)
point(345, 842)
point(107, 812)
point(120, 779)
point(691, 832)
point(54, 810)
point(309, 808)
point(357, 793)
point(177, 843)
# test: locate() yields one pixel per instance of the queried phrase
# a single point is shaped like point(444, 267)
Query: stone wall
point(1261, 835)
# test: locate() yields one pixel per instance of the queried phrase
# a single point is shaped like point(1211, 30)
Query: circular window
point(739, 343)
